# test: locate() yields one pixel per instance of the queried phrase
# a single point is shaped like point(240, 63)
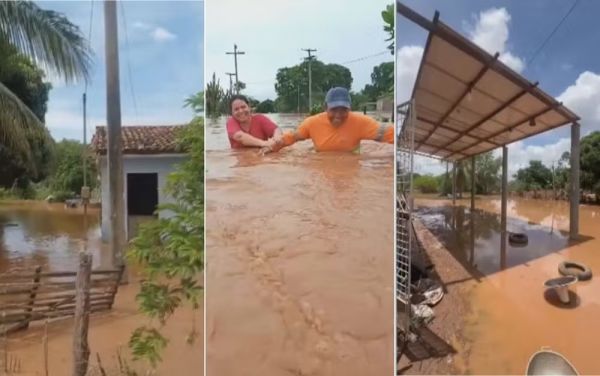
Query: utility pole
point(230, 82)
point(113, 123)
point(309, 58)
point(235, 53)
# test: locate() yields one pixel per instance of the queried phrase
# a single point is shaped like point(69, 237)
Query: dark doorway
point(142, 194)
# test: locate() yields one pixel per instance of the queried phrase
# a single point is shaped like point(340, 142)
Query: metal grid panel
point(404, 165)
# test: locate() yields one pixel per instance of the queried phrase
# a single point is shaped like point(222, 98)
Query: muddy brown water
point(48, 235)
point(512, 316)
point(299, 260)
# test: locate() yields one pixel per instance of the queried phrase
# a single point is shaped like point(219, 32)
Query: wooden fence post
point(81, 350)
point(32, 294)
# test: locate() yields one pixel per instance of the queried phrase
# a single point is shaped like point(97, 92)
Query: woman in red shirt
point(245, 129)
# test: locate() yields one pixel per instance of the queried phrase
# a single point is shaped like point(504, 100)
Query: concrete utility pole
point(235, 53)
point(230, 81)
point(309, 58)
point(113, 122)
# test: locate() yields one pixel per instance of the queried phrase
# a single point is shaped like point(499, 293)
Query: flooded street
point(299, 259)
point(511, 315)
point(38, 233)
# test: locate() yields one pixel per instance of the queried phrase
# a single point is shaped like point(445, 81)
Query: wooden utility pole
point(230, 81)
point(235, 53)
point(113, 122)
point(81, 349)
point(309, 58)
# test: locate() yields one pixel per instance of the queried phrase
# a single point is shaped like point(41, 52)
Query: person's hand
point(270, 143)
point(278, 138)
point(265, 150)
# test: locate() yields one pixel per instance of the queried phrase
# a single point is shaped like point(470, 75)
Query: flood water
point(299, 259)
point(48, 235)
point(512, 316)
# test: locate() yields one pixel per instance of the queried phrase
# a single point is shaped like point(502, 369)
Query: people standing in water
point(336, 129)
point(246, 129)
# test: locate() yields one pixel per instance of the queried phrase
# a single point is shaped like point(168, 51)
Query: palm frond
point(48, 38)
point(17, 121)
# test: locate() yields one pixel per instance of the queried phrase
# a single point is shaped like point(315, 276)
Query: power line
point(365, 57)
point(130, 76)
point(534, 55)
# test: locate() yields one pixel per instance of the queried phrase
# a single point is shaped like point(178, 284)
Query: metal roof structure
point(469, 102)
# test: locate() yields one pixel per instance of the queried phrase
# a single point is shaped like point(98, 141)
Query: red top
point(260, 127)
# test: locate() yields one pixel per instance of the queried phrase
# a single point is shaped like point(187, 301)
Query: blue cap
point(337, 97)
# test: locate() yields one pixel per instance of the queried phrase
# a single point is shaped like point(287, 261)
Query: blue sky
point(568, 67)
point(273, 32)
point(165, 54)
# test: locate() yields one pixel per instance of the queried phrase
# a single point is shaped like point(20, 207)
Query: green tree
point(291, 84)
point(67, 177)
point(487, 173)
point(170, 250)
point(55, 44)
point(26, 82)
point(214, 97)
point(382, 82)
point(388, 18)
point(534, 177)
point(266, 107)
point(590, 161)
point(425, 183)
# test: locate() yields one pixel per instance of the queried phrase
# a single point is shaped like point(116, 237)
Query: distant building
point(150, 154)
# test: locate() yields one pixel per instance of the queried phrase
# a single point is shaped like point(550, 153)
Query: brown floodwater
point(299, 260)
point(49, 235)
point(511, 314)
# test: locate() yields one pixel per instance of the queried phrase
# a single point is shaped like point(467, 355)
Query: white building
point(150, 154)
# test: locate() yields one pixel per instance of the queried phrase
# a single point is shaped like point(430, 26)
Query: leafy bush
point(170, 250)
point(426, 184)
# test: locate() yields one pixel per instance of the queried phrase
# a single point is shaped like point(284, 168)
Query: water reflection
point(475, 238)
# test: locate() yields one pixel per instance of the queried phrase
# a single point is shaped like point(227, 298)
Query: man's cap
point(337, 97)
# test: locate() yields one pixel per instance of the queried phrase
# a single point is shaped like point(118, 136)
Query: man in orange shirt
point(337, 129)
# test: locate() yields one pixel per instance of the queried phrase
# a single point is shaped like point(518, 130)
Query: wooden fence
point(37, 295)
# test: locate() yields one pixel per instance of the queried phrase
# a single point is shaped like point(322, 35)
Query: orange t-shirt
point(345, 137)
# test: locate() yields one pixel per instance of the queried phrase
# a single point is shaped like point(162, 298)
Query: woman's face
point(240, 110)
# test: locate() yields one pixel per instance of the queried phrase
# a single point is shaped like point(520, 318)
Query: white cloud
point(519, 154)
point(161, 34)
point(491, 34)
point(408, 59)
point(583, 98)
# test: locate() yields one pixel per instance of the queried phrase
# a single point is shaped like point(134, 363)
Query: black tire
point(582, 272)
point(518, 238)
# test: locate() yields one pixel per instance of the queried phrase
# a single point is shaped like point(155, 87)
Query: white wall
point(162, 165)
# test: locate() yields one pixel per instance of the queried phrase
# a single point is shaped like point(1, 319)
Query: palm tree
point(53, 43)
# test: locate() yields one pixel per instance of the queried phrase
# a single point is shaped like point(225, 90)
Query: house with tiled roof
point(150, 154)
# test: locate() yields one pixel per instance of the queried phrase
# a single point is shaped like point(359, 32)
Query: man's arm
point(372, 130)
point(290, 138)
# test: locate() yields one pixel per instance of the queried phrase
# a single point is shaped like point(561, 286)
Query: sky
point(161, 64)
point(567, 67)
point(273, 33)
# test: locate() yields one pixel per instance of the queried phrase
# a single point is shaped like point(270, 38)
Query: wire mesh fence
point(404, 171)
